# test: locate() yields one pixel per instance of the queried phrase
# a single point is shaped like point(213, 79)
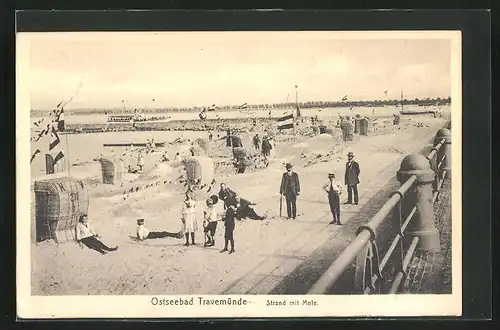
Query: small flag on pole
point(344, 98)
point(244, 106)
point(286, 122)
point(203, 114)
point(212, 107)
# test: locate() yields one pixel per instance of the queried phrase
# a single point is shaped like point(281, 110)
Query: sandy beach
point(165, 266)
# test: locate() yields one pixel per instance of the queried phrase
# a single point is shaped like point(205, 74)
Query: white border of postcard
point(29, 306)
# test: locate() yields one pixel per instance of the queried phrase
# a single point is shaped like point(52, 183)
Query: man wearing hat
point(333, 189)
point(290, 187)
point(351, 178)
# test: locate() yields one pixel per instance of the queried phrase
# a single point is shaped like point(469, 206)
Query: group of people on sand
point(234, 207)
point(290, 189)
point(266, 146)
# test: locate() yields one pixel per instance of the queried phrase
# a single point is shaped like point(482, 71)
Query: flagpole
point(67, 151)
point(297, 112)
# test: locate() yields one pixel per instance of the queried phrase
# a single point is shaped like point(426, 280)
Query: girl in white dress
point(188, 218)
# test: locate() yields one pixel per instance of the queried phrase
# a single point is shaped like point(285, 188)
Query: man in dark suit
point(290, 187)
point(351, 179)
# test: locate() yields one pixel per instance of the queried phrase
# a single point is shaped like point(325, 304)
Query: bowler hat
point(288, 165)
point(140, 221)
point(331, 174)
point(350, 154)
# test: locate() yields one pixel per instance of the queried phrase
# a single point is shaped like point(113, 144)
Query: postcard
point(238, 174)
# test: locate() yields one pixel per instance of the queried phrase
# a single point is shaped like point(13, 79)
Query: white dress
point(188, 217)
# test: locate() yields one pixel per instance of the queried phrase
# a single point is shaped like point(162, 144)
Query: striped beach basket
point(59, 203)
point(199, 171)
point(112, 170)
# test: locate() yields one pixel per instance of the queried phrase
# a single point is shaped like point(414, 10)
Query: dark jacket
point(228, 196)
point(290, 184)
point(352, 173)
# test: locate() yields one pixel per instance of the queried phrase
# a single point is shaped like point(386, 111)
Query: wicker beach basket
point(242, 156)
point(348, 131)
point(197, 151)
point(203, 144)
point(112, 170)
point(236, 141)
point(397, 119)
point(199, 170)
point(363, 126)
point(59, 203)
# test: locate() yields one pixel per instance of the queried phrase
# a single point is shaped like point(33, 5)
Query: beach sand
point(165, 266)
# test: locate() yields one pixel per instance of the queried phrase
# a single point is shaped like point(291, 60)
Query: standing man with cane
point(351, 178)
point(290, 187)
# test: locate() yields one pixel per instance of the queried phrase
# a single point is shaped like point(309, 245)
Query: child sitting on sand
point(144, 233)
point(85, 235)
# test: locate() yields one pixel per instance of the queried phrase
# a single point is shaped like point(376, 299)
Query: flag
point(56, 140)
point(202, 114)
point(34, 155)
point(212, 107)
point(344, 98)
point(244, 106)
point(286, 122)
point(58, 157)
point(60, 121)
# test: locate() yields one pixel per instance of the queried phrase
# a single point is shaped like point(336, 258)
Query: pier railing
point(409, 214)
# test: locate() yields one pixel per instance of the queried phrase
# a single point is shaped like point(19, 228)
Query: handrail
point(366, 234)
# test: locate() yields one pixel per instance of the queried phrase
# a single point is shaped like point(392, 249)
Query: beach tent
point(59, 203)
point(112, 170)
point(199, 170)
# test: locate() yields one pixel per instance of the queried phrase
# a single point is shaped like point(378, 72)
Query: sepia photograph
point(242, 174)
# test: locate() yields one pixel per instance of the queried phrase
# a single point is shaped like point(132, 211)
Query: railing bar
point(408, 219)
point(389, 252)
point(340, 264)
point(387, 208)
point(443, 175)
point(406, 261)
point(434, 196)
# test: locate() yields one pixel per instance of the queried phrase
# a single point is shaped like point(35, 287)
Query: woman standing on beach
point(188, 218)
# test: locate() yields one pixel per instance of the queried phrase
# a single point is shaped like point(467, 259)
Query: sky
point(179, 69)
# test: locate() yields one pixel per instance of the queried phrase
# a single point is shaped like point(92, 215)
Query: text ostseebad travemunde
point(155, 301)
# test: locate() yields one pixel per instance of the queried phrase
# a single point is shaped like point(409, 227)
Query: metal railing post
point(422, 226)
point(445, 150)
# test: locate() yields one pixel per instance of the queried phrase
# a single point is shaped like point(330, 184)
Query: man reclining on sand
point(144, 233)
point(243, 209)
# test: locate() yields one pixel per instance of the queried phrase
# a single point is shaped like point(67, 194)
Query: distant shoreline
point(277, 106)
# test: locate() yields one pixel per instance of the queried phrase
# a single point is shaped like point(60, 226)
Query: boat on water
point(427, 112)
point(134, 118)
point(135, 144)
